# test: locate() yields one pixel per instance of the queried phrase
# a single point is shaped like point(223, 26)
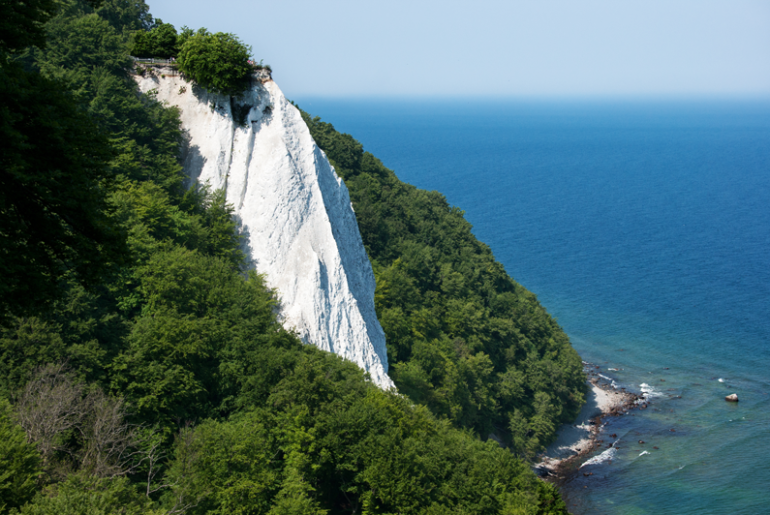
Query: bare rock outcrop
point(295, 212)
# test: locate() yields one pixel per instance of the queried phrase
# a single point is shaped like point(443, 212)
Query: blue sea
point(644, 228)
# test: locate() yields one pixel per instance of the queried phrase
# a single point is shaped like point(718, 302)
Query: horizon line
point(532, 97)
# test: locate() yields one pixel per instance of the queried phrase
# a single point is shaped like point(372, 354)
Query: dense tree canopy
point(22, 23)
point(463, 338)
point(160, 41)
point(19, 462)
point(166, 384)
point(54, 181)
point(218, 62)
point(54, 176)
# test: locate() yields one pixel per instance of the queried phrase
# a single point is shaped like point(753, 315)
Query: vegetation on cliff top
point(160, 41)
point(218, 62)
point(164, 383)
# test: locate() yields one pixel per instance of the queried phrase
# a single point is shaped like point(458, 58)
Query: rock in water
point(294, 211)
point(732, 398)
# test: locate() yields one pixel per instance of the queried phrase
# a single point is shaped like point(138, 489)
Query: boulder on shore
point(732, 398)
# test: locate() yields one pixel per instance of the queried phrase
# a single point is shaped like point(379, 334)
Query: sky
point(497, 48)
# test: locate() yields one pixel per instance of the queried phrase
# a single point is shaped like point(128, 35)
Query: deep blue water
point(644, 228)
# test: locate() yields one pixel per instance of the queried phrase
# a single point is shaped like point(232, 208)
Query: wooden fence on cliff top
point(153, 60)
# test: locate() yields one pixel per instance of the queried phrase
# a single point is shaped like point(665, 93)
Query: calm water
point(644, 228)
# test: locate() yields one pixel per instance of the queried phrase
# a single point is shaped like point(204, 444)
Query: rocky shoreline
point(564, 457)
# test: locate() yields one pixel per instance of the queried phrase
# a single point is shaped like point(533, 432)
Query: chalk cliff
point(294, 211)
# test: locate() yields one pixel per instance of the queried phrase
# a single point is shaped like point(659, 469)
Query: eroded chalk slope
point(293, 209)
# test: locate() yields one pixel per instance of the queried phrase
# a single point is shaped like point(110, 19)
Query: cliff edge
point(294, 211)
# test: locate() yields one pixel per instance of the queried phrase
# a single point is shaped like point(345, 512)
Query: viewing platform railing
point(153, 60)
point(263, 73)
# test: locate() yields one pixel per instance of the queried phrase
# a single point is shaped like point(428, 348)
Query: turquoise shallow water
point(644, 228)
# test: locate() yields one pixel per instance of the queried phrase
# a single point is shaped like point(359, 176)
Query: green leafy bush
point(218, 62)
point(83, 495)
point(160, 41)
point(19, 462)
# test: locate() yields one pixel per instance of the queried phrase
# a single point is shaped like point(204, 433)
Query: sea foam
point(611, 380)
point(601, 458)
point(648, 391)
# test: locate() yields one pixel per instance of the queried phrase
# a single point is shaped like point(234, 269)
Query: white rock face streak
point(292, 207)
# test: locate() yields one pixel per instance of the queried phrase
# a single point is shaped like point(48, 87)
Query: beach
point(576, 440)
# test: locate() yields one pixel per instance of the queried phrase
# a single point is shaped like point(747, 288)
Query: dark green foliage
point(125, 16)
point(218, 409)
point(195, 313)
point(463, 337)
point(83, 495)
point(22, 23)
point(80, 329)
point(160, 41)
point(59, 164)
point(91, 57)
point(54, 179)
point(19, 462)
point(226, 466)
point(218, 62)
point(330, 442)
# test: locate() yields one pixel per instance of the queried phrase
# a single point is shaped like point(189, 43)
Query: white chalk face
point(293, 209)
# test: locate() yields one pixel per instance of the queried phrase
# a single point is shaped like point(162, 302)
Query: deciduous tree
point(218, 62)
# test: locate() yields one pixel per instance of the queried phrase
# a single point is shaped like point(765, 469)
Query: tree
point(54, 217)
point(218, 62)
point(91, 57)
point(19, 462)
point(463, 337)
point(80, 494)
point(226, 467)
point(60, 418)
point(50, 406)
point(22, 23)
point(161, 41)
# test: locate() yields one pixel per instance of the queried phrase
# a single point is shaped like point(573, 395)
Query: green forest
point(463, 338)
point(142, 367)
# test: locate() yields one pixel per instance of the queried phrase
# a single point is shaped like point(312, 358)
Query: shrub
point(19, 462)
point(161, 41)
point(217, 62)
point(80, 494)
